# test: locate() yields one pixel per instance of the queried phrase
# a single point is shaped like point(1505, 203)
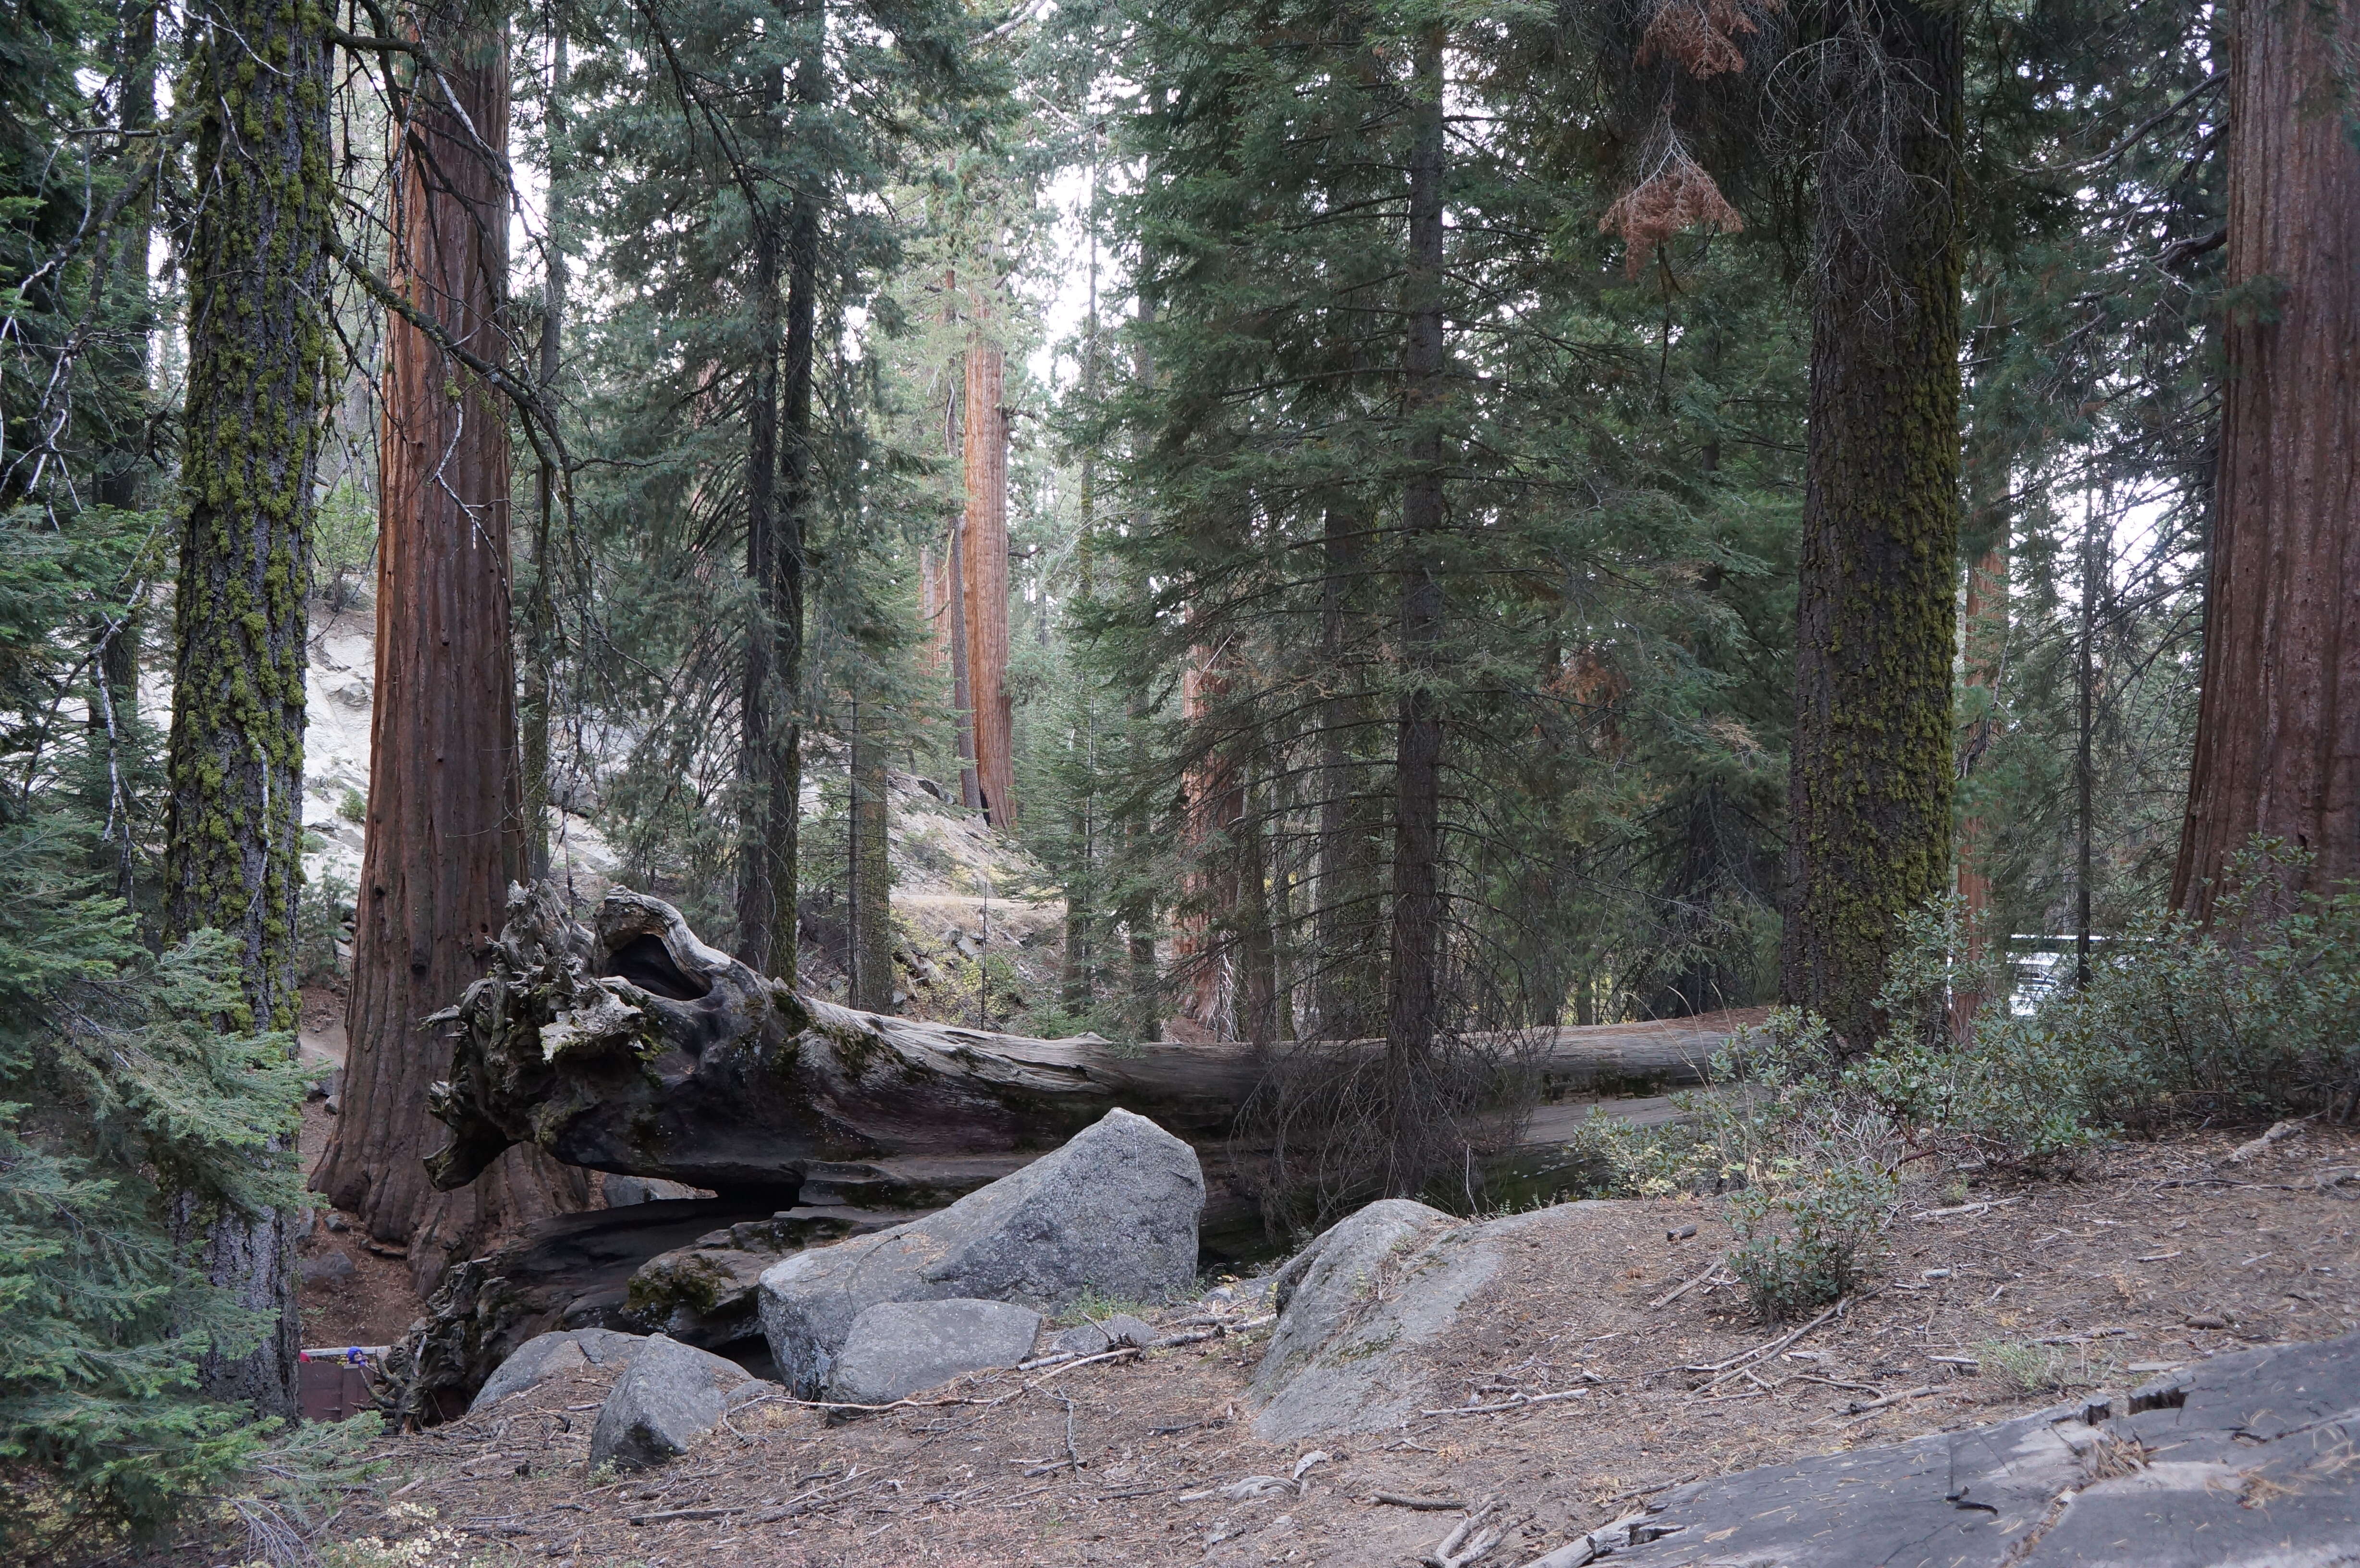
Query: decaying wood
point(636, 1048)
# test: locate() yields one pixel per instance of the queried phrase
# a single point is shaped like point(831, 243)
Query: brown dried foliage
point(1676, 194)
point(1700, 34)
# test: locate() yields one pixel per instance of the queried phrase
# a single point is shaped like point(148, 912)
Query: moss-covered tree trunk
point(2277, 732)
point(445, 824)
point(1414, 972)
point(1869, 794)
point(257, 265)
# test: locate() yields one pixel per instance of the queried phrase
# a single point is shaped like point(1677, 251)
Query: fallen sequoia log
point(635, 1048)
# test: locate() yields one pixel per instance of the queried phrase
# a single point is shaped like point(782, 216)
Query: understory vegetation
point(2175, 1025)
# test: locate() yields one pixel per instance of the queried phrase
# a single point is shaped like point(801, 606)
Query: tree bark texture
point(2277, 732)
point(871, 870)
point(257, 271)
point(984, 576)
point(1413, 995)
point(444, 834)
point(635, 1048)
point(1869, 793)
point(1204, 973)
point(1347, 983)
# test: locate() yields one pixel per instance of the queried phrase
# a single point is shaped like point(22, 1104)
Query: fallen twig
point(1674, 1294)
point(2279, 1130)
point(1429, 1505)
point(1452, 1554)
point(684, 1514)
point(1979, 1205)
point(1517, 1402)
point(1736, 1364)
point(1862, 1407)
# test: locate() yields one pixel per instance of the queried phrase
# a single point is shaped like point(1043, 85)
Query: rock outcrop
point(1113, 1211)
point(548, 1356)
point(705, 1293)
point(1369, 1290)
point(2244, 1461)
point(668, 1397)
point(895, 1348)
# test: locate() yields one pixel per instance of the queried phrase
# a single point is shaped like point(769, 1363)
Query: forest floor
point(2158, 1255)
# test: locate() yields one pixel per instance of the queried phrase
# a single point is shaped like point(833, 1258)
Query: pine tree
point(257, 368)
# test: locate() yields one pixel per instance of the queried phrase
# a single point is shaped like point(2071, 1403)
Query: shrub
point(1805, 1242)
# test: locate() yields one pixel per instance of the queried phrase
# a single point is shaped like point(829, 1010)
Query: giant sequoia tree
point(445, 829)
point(258, 267)
point(2277, 741)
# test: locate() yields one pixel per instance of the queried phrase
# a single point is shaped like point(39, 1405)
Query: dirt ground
point(2160, 1255)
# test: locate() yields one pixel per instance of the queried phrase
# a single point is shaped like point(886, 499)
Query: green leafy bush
point(1805, 1242)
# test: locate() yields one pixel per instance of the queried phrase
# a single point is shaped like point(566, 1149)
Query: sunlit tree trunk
point(2277, 732)
point(257, 271)
point(445, 808)
point(983, 573)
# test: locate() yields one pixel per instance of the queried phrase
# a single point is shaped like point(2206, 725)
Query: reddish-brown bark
point(2278, 735)
point(444, 830)
point(984, 578)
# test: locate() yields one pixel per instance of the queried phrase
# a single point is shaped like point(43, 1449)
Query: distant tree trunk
point(2085, 771)
point(872, 868)
point(758, 894)
point(984, 576)
point(1204, 926)
point(1078, 978)
point(1136, 906)
point(115, 696)
point(1869, 818)
point(784, 794)
point(1414, 997)
point(257, 270)
point(1349, 978)
point(541, 619)
point(444, 830)
point(1257, 944)
point(1986, 637)
point(2278, 729)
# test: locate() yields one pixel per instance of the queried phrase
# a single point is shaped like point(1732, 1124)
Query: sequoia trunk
point(444, 832)
point(257, 270)
point(1869, 793)
point(984, 576)
point(2277, 731)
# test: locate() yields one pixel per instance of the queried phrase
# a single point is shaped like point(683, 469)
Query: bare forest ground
point(2160, 1254)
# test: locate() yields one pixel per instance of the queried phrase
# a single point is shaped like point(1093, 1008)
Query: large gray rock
point(547, 1355)
point(1368, 1290)
point(707, 1293)
point(669, 1397)
point(2241, 1462)
point(895, 1348)
point(1114, 1210)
